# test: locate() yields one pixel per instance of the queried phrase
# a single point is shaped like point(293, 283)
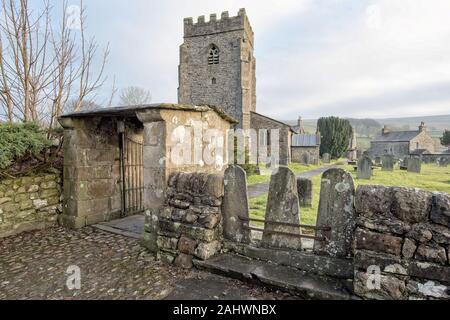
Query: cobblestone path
point(34, 265)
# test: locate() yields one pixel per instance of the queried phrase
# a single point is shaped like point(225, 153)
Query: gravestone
point(336, 210)
point(326, 158)
point(282, 206)
point(364, 168)
point(235, 205)
point(377, 160)
point(387, 163)
point(305, 192)
point(306, 158)
point(443, 162)
point(414, 165)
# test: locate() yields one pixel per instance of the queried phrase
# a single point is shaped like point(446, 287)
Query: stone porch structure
point(163, 134)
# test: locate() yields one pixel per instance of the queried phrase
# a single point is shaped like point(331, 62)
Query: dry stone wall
point(189, 225)
point(404, 234)
point(29, 203)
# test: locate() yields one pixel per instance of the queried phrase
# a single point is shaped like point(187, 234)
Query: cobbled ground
point(34, 266)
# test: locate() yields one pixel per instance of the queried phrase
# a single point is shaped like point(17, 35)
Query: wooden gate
point(132, 168)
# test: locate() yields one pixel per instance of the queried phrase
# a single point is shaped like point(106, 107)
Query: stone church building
point(217, 67)
point(402, 143)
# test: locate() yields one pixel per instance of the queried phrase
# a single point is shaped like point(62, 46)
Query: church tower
point(217, 66)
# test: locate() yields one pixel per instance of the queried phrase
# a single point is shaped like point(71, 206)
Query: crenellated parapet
point(216, 25)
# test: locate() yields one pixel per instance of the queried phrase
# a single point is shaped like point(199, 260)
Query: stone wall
point(404, 233)
point(91, 171)
point(29, 203)
point(189, 225)
point(300, 154)
point(399, 236)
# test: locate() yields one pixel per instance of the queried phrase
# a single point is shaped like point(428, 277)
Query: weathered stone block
point(167, 243)
point(430, 289)
point(384, 224)
point(421, 233)
point(206, 251)
point(391, 288)
point(373, 200)
point(409, 248)
point(178, 229)
point(411, 205)
point(209, 221)
point(178, 215)
point(190, 217)
point(440, 212)
point(431, 271)
point(187, 245)
point(364, 259)
point(5, 200)
point(336, 211)
point(215, 186)
point(378, 242)
point(435, 254)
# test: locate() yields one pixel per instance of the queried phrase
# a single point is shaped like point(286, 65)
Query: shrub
point(19, 140)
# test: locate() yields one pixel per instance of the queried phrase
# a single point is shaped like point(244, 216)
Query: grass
point(308, 215)
point(266, 175)
point(432, 178)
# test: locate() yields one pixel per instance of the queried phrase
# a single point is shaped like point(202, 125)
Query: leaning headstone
point(364, 168)
point(235, 205)
point(326, 158)
point(305, 192)
point(337, 212)
point(282, 206)
point(414, 165)
point(387, 163)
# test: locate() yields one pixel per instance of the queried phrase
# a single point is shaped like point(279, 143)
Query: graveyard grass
point(295, 167)
point(432, 178)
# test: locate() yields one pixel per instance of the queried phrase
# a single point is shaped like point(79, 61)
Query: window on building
point(214, 81)
point(213, 55)
point(417, 145)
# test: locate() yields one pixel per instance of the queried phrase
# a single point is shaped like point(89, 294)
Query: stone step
point(279, 277)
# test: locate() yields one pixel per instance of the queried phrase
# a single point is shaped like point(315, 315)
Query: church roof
point(273, 120)
point(397, 136)
point(132, 110)
point(305, 140)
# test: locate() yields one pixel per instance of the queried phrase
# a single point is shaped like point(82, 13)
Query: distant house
point(305, 148)
point(402, 143)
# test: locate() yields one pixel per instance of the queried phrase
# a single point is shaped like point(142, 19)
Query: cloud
point(314, 57)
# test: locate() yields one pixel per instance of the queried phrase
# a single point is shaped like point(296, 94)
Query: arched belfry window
point(213, 55)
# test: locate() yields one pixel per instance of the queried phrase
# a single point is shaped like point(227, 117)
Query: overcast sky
point(352, 58)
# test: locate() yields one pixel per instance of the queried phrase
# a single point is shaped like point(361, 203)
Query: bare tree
point(43, 67)
point(135, 96)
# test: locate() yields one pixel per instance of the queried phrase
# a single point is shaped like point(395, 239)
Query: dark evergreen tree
point(336, 134)
point(445, 140)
